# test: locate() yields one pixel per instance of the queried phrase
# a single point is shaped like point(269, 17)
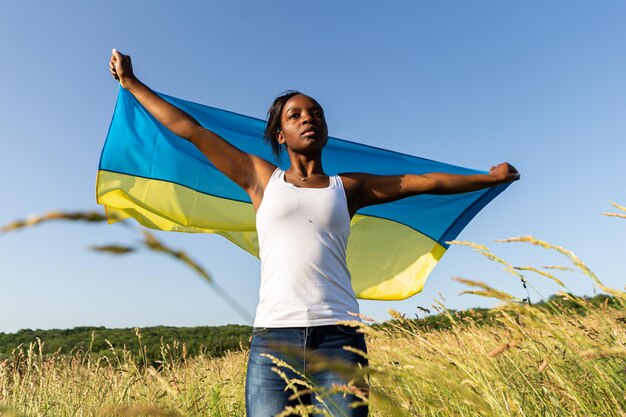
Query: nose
point(306, 118)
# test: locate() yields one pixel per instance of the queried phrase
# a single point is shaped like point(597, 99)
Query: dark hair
point(273, 120)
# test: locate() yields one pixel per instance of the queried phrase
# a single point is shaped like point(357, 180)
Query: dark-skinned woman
point(303, 222)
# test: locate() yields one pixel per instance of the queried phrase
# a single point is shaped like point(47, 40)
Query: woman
point(303, 222)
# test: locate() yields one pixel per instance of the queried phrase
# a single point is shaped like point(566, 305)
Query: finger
point(116, 56)
point(120, 56)
point(112, 68)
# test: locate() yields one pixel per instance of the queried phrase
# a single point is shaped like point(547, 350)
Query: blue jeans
point(301, 347)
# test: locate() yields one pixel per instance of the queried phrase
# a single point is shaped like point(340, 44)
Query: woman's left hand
point(504, 173)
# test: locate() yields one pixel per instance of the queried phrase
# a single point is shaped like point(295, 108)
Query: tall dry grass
point(529, 361)
point(33, 383)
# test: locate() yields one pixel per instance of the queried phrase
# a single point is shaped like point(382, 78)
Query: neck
point(304, 166)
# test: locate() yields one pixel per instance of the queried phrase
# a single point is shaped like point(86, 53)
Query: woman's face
point(303, 125)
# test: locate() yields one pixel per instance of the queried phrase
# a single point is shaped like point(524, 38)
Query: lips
point(310, 131)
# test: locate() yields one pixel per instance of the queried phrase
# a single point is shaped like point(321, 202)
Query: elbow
point(430, 185)
point(189, 131)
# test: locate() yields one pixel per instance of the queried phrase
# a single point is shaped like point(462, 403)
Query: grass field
point(564, 359)
point(528, 362)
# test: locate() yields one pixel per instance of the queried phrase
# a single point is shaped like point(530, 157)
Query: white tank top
point(303, 233)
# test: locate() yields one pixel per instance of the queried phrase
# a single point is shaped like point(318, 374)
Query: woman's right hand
point(121, 68)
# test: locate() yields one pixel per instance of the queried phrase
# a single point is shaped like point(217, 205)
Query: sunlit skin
point(304, 134)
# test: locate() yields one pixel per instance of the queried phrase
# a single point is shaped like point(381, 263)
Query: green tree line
point(213, 341)
point(216, 340)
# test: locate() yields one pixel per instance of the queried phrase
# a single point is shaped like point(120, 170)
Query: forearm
point(175, 119)
point(442, 183)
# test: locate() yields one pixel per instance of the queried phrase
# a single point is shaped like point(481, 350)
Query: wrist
point(129, 83)
point(495, 179)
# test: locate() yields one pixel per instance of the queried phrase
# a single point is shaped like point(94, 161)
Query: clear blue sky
point(539, 84)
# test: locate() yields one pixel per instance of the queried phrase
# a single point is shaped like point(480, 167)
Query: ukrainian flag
point(165, 183)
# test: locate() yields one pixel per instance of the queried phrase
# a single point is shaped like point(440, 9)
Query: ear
point(280, 138)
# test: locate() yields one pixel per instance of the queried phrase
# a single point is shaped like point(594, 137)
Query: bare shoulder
point(261, 173)
point(352, 181)
point(352, 178)
point(263, 170)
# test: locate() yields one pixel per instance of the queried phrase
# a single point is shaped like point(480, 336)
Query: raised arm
point(248, 171)
point(364, 190)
